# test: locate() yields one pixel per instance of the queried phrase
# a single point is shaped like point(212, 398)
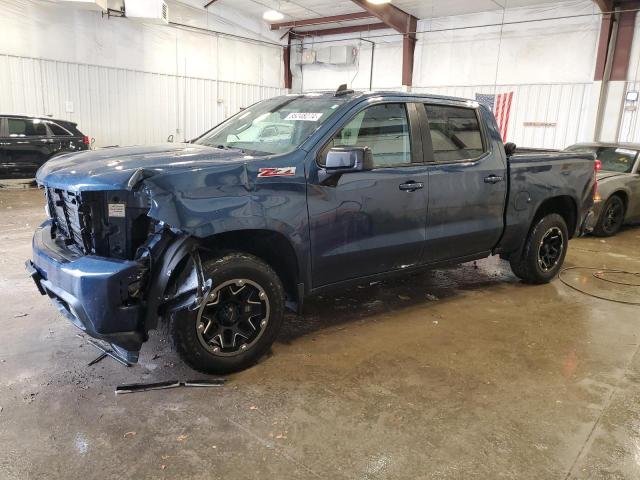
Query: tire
point(220, 337)
point(611, 218)
point(544, 251)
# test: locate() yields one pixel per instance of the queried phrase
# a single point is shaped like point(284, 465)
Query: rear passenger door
point(467, 184)
point(26, 146)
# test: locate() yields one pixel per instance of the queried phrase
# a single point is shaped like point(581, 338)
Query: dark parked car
point(27, 142)
point(617, 200)
point(293, 196)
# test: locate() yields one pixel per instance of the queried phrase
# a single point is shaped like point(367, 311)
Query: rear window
point(58, 130)
point(455, 133)
point(21, 127)
point(613, 159)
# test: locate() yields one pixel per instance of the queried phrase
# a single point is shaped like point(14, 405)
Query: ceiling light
point(272, 15)
point(378, 2)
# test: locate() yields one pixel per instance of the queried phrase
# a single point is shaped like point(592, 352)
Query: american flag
point(500, 105)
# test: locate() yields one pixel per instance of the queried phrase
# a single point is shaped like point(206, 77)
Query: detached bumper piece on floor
point(145, 387)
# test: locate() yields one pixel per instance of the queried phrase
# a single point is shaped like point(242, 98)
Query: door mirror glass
point(349, 159)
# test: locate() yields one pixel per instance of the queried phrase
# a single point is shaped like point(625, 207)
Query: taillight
point(598, 165)
point(86, 141)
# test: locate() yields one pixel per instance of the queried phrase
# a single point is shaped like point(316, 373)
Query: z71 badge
point(276, 172)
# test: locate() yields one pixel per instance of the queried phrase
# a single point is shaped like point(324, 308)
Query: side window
point(20, 127)
point(384, 129)
point(455, 133)
point(58, 130)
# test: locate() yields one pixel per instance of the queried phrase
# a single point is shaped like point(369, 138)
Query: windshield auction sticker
point(303, 116)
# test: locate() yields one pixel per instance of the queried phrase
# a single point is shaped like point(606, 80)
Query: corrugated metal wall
point(120, 106)
point(629, 129)
point(542, 115)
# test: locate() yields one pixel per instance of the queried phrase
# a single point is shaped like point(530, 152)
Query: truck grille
point(70, 218)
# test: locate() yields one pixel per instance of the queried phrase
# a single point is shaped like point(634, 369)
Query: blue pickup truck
point(290, 197)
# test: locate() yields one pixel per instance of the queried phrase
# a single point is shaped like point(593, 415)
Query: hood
point(604, 175)
point(111, 168)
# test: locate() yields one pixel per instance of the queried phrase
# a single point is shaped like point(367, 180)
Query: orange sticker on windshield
point(276, 172)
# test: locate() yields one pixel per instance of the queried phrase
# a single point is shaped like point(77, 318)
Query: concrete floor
point(460, 373)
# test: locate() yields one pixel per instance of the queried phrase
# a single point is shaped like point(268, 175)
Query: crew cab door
point(467, 183)
point(368, 222)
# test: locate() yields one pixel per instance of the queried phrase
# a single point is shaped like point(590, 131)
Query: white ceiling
point(303, 9)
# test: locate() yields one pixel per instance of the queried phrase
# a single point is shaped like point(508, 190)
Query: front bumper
point(92, 292)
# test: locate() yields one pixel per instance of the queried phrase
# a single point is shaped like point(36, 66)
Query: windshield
point(279, 125)
point(613, 159)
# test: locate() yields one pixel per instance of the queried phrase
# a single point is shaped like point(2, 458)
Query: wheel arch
point(624, 196)
point(563, 205)
point(270, 246)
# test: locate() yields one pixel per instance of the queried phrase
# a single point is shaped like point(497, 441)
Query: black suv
point(27, 142)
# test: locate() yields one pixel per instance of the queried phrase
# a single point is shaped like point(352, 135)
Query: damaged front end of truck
point(116, 260)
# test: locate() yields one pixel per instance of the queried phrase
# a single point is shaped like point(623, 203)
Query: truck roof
point(380, 93)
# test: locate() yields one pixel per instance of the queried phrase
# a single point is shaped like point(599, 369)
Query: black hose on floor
point(598, 274)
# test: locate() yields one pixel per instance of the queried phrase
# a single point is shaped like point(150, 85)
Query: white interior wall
point(128, 82)
point(387, 70)
point(552, 85)
point(547, 60)
point(629, 126)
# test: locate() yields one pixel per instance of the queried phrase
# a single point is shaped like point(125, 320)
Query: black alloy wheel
point(234, 317)
point(240, 319)
point(550, 249)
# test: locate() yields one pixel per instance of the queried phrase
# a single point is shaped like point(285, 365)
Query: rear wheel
point(239, 320)
point(544, 251)
point(611, 218)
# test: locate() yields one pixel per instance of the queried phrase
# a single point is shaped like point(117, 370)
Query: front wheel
point(239, 320)
point(611, 218)
point(544, 251)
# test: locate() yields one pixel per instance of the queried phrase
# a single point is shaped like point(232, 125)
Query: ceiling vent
point(341, 55)
point(149, 11)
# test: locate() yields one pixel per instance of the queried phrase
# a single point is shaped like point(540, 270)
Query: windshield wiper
point(227, 147)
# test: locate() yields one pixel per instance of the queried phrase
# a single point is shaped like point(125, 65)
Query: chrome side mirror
point(349, 159)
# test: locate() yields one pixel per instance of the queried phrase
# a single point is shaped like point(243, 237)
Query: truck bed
point(533, 174)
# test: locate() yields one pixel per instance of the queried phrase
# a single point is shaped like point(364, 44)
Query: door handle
point(411, 186)
point(493, 179)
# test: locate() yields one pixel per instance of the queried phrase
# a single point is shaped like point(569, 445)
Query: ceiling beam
point(321, 20)
point(340, 30)
point(397, 19)
point(402, 23)
point(604, 5)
